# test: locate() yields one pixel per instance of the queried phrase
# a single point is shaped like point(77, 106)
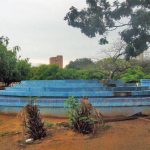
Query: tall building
point(58, 60)
point(144, 56)
point(140, 57)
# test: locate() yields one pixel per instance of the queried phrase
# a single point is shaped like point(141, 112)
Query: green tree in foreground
point(11, 69)
point(8, 61)
point(101, 17)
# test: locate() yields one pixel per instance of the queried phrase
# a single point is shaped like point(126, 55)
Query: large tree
point(8, 61)
point(23, 69)
point(101, 17)
point(11, 68)
point(113, 68)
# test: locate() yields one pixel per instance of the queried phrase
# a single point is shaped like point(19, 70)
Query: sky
point(38, 27)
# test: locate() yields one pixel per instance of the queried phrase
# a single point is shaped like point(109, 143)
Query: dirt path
point(127, 135)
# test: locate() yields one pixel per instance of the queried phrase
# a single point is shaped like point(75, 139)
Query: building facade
point(144, 56)
point(58, 60)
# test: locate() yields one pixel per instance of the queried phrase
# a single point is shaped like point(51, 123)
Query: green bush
point(82, 116)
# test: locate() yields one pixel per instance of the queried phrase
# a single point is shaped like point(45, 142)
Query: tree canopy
point(113, 68)
point(23, 69)
point(133, 74)
point(82, 63)
point(107, 68)
point(53, 72)
point(12, 69)
point(101, 17)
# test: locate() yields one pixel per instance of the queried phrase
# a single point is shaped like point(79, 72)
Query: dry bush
point(35, 125)
point(32, 125)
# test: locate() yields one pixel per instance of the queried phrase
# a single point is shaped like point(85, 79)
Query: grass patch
point(7, 133)
point(63, 124)
point(106, 127)
point(49, 124)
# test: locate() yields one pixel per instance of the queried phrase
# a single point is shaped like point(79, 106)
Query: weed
point(49, 124)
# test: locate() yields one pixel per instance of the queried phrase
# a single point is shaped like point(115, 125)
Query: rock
point(28, 141)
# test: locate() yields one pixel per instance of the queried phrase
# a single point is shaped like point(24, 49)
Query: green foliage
point(147, 76)
point(50, 72)
point(84, 118)
point(102, 16)
point(82, 63)
point(134, 75)
point(68, 74)
point(8, 61)
point(72, 103)
point(11, 69)
point(49, 124)
point(24, 69)
point(112, 68)
point(145, 65)
point(79, 116)
point(44, 72)
point(107, 68)
point(7, 133)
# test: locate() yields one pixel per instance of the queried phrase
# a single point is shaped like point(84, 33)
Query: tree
point(82, 63)
point(134, 74)
point(11, 69)
point(45, 72)
point(114, 64)
point(53, 72)
point(101, 17)
point(116, 51)
point(113, 69)
point(24, 69)
point(145, 65)
point(68, 73)
point(8, 61)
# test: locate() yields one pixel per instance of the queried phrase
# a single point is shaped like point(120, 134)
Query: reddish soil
point(126, 135)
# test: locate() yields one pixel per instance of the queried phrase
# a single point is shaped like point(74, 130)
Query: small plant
point(7, 133)
point(83, 117)
point(35, 126)
point(49, 124)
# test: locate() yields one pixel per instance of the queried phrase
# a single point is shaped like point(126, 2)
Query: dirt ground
point(125, 135)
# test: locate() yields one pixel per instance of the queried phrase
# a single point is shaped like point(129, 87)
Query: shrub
point(35, 126)
point(83, 117)
point(49, 124)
